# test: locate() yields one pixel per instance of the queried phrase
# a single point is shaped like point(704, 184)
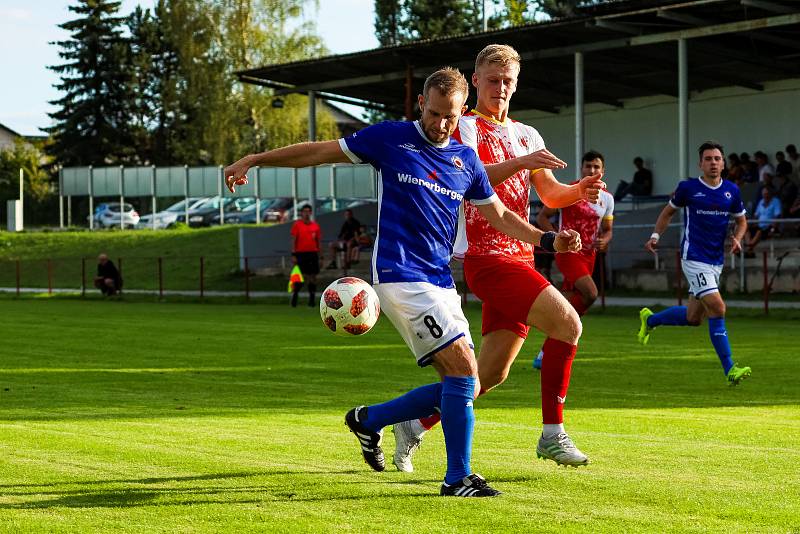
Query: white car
point(109, 215)
point(168, 217)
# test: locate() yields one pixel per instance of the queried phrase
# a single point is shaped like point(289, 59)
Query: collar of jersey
point(422, 133)
point(700, 179)
point(490, 119)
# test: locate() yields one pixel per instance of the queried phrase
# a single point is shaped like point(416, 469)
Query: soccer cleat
point(644, 330)
point(472, 485)
point(407, 440)
point(537, 362)
point(561, 450)
point(737, 374)
point(370, 441)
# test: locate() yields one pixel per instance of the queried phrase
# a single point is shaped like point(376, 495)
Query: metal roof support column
point(683, 110)
point(312, 136)
point(579, 122)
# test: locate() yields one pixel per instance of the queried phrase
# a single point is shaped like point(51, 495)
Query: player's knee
point(570, 329)
point(493, 378)
point(589, 297)
point(717, 310)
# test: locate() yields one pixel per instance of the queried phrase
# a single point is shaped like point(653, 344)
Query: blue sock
point(719, 338)
point(458, 421)
point(672, 316)
point(420, 402)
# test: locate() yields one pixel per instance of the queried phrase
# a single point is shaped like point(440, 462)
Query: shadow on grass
point(134, 495)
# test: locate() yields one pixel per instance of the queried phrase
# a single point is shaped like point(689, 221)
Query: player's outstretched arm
point(661, 225)
point(541, 159)
point(508, 222)
point(554, 194)
point(297, 155)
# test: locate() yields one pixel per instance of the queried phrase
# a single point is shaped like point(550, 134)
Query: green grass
point(180, 251)
point(140, 417)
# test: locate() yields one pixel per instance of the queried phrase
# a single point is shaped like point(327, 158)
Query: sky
point(28, 26)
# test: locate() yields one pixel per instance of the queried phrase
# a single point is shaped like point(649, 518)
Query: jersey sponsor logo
point(436, 188)
point(699, 194)
point(711, 212)
point(409, 146)
point(458, 162)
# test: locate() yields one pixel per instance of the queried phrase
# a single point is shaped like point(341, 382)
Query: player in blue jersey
point(707, 203)
point(423, 176)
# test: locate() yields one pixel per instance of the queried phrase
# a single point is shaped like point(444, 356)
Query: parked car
point(109, 214)
point(203, 215)
point(169, 216)
point(279, 211)
point(248, 214)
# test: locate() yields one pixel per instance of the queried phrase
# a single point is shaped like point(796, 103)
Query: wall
point(743, 120)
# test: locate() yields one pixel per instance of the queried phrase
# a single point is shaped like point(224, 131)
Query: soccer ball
point(349, 306)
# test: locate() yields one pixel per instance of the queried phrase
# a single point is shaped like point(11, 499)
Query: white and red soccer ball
point(349, 307)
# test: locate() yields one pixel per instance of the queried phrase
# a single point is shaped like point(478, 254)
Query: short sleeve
point(294, 229)
point(366, 146)
point(737, 206)
point(609, 213)
point(537, 142)
point(480, 190)
point(680, 196)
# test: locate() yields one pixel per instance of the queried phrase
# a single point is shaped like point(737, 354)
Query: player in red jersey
point(593, 221)
point(500, 270)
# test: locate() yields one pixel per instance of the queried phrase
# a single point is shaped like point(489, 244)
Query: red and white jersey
point(495, 142)
point(585, 218)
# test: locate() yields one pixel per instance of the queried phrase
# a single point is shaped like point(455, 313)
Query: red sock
point(432, 420)
point(556, 369)
point(577, 302)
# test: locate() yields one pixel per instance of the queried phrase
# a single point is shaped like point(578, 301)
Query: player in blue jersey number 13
point(423, 177)
point(708, 202)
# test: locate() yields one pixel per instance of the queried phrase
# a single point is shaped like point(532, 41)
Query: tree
point(92, 124)
point(403, 21)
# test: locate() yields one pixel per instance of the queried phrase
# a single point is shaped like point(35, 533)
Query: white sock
point(552, 430)
point(417, 427)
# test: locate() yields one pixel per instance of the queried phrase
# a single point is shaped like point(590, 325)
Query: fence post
point(247, 278)
point(202, 276)
point(160, 280)
point(18, 277)
point(83, 277)
point(91, 198)
point(678, 275)
point(119, 269)
point(61, 197)
point(49, 277)
point(766, 285)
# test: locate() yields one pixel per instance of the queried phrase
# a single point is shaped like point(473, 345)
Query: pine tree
point(93, 120)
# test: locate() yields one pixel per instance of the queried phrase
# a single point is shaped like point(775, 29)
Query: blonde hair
point(448, 81)
point(497, 53)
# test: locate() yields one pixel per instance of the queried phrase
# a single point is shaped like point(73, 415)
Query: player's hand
point(543, 159)
point(567, 241)
point(236, 174)
point(590, 187)
point(736, 245)
point(601, 244)
point(651, 245)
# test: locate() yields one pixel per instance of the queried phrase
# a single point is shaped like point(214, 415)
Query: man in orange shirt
point(306, 244)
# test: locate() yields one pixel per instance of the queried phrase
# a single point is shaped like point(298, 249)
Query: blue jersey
point(706, 212)
point(420, 188)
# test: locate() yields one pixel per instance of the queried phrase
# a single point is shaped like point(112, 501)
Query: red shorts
point(573, 266)
point(507, 289)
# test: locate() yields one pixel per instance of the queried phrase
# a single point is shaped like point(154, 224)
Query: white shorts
point(703, 278)
point(428, 317)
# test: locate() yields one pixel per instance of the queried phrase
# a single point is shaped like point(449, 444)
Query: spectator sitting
point(749, 168)
point(735, 171)
point(364, 240)
point(764, 167)
point(785, 189)
point(769, 208)
point(794, 161)
point(346, 240)
point(642, 184)
point(108, 279)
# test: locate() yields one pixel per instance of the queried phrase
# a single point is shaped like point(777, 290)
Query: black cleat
point(473, 485)
point(370, 441)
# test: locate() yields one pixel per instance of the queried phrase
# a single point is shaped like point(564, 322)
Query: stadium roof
point(629, 50)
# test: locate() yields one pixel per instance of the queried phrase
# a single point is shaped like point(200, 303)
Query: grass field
point(140, 417)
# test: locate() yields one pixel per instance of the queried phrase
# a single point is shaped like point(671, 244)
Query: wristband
point(547, 241)
point(656, 236)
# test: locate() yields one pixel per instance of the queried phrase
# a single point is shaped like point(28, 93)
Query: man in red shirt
point(593, 221)
point(499, 269)
point(306, 244)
